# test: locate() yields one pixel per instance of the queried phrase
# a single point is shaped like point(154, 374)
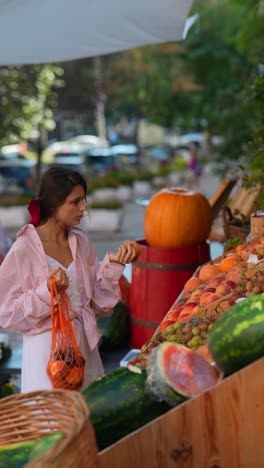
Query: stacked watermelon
point(127, 398)
point(237, 338)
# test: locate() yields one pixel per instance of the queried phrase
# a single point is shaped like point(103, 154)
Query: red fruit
point(166, 323)
point(209, 289)
point(209, 298)
point(176, 308)
point(190, 305)
point(173, 315)
point(231, 284)
point(223, 289)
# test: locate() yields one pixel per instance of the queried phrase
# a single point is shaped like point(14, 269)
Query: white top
point(72, 291)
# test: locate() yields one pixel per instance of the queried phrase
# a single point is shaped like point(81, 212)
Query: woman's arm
point(106, 290)
point(21, 311)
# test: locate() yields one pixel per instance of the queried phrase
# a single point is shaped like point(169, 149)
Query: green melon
point(119, 404)
point(115, 330)
point(17, 455)
point(237, 338)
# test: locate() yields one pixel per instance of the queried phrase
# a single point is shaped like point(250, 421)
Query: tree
point(222, 70)
point(27, 97)
point(251, 39)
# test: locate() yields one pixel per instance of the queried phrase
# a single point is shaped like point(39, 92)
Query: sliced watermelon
point(176, 373)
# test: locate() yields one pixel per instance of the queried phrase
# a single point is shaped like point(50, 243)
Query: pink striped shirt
point(24, 295)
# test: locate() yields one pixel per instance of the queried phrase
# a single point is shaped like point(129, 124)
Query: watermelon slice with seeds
point(176, 373)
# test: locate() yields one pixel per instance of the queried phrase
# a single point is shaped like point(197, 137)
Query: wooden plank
point(220, 197)
point(222, 428)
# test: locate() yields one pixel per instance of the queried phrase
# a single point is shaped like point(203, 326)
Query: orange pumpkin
point(177, 217)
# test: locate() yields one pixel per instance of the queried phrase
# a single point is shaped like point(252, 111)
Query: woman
point(51, 246)
point(193, 170)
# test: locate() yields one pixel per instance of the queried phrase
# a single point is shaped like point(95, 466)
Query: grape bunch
point(253, 283)
point(192, 334)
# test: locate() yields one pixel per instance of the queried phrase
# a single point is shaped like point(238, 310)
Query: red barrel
point(158, 278)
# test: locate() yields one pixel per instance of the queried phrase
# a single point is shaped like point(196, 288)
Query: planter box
point(124, 193)
point(14, 216)
point(102, 220)
point(103, 194)
point(141, 188)
point(220, 428)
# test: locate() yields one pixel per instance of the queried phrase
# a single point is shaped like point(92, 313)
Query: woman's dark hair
point(56, 185)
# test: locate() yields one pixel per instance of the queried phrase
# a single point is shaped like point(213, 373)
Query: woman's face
point(71, 212)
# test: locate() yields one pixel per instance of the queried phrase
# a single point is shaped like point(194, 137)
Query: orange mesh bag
point(66, 363)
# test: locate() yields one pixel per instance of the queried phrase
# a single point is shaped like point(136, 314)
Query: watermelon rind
point(158, 384)
point(44, 444)
point(176, 373)
point(237, 338)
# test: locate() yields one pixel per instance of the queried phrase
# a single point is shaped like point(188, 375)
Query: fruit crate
point(220, 428)
point(215, 308)
point(217, 260)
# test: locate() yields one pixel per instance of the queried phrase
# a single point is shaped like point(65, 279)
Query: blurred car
point(17, 175)
point(13, 151)
point(100, 161)
point(160, 155)
point(125, 154)
point(73, 160)
point(87, 142)
point(193, 138)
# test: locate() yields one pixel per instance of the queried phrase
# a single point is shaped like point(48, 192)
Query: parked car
point(126, 154)
point(100, 161)
point(74, 160)
point(17, 175)
point(13, 151)
point(88, 142)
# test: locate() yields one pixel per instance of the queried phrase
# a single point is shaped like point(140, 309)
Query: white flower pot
point(100, 219)
point(141, 188)
point(14, 216)
point(124, 193)
point(104, 194)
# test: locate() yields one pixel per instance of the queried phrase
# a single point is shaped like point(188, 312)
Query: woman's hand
point(62, 280)
point(127, 253)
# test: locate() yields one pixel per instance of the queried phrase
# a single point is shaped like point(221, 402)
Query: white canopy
point(41, 31)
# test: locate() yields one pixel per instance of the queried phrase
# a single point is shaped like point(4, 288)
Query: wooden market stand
point(221, 428)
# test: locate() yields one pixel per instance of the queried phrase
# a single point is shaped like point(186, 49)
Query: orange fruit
point(234, 275)
point(192, 284)
point(240, 248)
point(207, 272)
point(229, 262)
point(166, 323)
point(173, 315)
point(136, 247)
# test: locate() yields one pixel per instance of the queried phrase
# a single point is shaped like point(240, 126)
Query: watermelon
point(237, 338)
point(119, 404)
point(176, 373)
point(44, 444)
point(19, 454)
point(115, 330)
point(16, 455)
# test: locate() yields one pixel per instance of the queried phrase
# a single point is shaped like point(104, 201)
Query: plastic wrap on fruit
point(176, 373)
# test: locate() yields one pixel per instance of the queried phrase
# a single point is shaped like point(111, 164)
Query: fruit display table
point(218, 429)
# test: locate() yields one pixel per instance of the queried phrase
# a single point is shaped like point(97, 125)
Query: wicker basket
point(233, 231)
point(257, 224)
point(28, 416)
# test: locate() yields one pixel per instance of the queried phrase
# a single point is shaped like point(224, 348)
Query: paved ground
point(132, 228)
